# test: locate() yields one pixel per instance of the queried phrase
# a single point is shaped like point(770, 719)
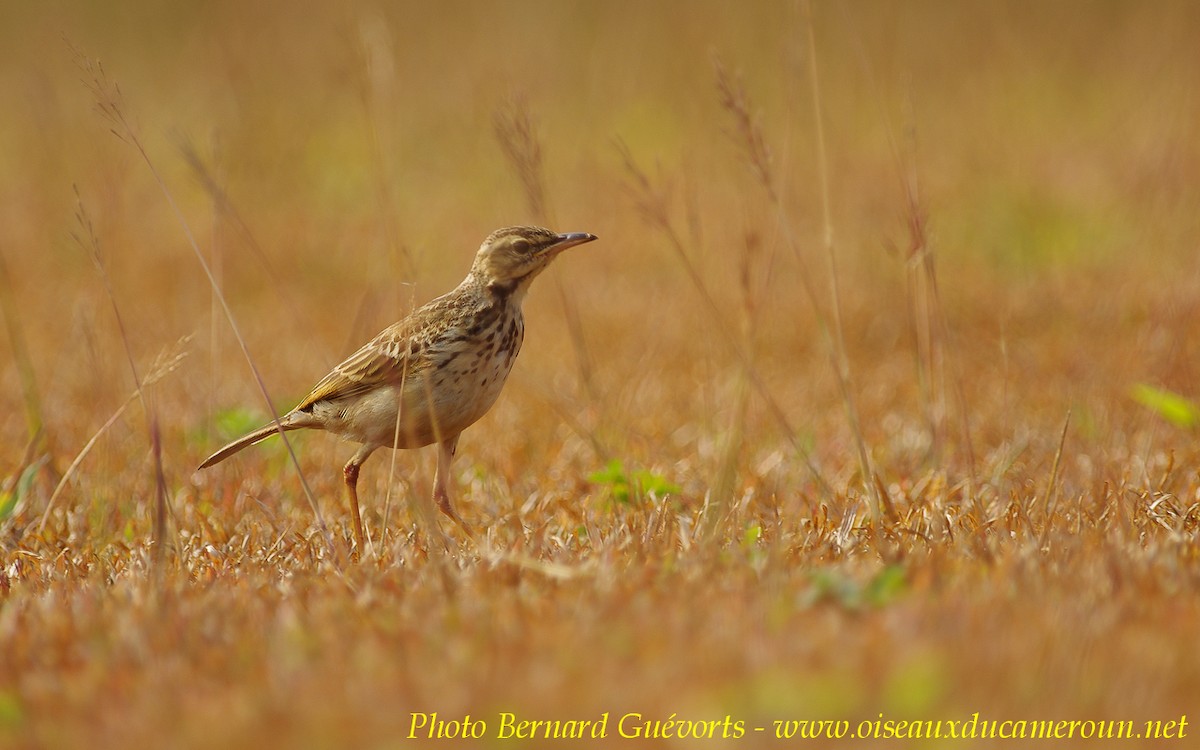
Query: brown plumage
point(428, 377)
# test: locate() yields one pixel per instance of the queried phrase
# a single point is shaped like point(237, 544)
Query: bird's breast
point(466, 372)
point(471, 368)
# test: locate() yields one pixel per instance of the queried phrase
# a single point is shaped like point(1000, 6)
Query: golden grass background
point(349, 168)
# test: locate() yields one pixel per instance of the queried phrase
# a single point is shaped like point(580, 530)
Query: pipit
point(430, 376)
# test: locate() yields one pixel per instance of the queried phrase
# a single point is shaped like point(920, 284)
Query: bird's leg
point(350, 473)
point(441, 492)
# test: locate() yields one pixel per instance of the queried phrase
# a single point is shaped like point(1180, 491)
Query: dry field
point(876, 402)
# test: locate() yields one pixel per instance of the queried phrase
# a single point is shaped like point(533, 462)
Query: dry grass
point(1015, 251)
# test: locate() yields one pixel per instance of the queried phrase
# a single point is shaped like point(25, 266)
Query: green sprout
point(629, 487)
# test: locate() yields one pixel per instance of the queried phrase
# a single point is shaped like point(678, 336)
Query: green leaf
point(751, 536)
point(615, 477)
point(887, 586)
point(233, 423)
point(1176, 409)
point(612, 473)
point(8, 503)
point(654, 484)
point(625, 487)
point(10, 498)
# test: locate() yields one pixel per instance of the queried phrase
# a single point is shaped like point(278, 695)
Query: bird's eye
point(520, 245)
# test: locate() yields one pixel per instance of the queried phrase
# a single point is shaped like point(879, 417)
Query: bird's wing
point(389, 358)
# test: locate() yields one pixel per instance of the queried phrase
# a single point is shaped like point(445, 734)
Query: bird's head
point(510, 258)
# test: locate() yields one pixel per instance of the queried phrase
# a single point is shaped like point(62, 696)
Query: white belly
point(437, 404)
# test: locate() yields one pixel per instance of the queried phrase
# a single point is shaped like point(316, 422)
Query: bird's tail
point(247, 440)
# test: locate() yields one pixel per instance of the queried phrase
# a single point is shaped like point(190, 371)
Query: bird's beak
point(571, 239)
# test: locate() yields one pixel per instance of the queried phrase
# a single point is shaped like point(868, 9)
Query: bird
point(431, 375)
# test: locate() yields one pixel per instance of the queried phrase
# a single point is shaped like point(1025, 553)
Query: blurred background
point(340, 164)
point(1012, 199)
